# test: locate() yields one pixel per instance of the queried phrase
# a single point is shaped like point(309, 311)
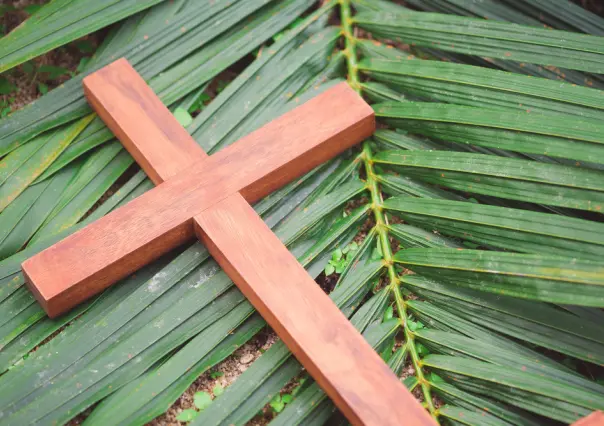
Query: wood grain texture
point(594, 419)
point(318, 334)
point(121, 242)
point(209, 196)
point(146, 128)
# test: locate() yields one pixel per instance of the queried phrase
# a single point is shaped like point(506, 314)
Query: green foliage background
point(486, 170)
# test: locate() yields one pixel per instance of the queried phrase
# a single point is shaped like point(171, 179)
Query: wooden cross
point(208, 196)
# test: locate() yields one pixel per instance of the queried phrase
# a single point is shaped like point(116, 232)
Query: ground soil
point(223, 375)
point(27, 83)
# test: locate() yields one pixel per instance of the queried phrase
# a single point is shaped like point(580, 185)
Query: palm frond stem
point(381, 222)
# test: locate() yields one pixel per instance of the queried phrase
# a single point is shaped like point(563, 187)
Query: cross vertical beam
point(208, 197)
point(304, 317)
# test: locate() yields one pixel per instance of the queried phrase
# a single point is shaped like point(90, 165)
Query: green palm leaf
point(561, 14)
point(506, 228)
point(511, 178)
point(481, 87)
point(557, 279)
point(456, 344)
point(489, 38)
point(470, 319)
point(60, 22)
point(541, 324)
point(478, 405)
point(526, 390)
point(580, 140)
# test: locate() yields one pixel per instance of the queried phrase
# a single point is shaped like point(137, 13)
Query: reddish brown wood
point(209, 198)
point(594, 419)
point(160, 145)
point(317, 333)
point(159, 220)
point(146, 128)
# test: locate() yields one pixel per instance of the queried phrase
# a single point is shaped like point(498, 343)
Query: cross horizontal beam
point(208, 197)
point(121, 242)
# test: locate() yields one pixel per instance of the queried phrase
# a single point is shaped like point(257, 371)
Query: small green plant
point(216, 374)
point(279, 402)
point(414, 325)
point(186, 415)
point(5, 108)
point(32, 8)
point(183, 116)
point(293, 25)
point(389, 314)
point(422, 351)
point(42, 88)
point(217, 390)
point(201, 401)
point(340, 258)
point(84, 46)
point(52, 72)
point(6, 88)
point(200, 102)
point(43, 74)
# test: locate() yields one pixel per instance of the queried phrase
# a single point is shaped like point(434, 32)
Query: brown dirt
point(595, 6)
point(67, 57)
point(231, 368)
point(28, 90)
point(13, 18)
point(240, 360)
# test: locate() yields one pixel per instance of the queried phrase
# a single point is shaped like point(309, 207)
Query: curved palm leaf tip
point(507, 334)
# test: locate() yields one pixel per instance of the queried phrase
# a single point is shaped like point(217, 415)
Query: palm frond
point(510, 178)
point(557, 279)
point(561, 14)
point(60, 22)
point(515, 131)
point(519, 388)
point(490, 39)
point(512, 229)
point(506, 332)
point(482, 87)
